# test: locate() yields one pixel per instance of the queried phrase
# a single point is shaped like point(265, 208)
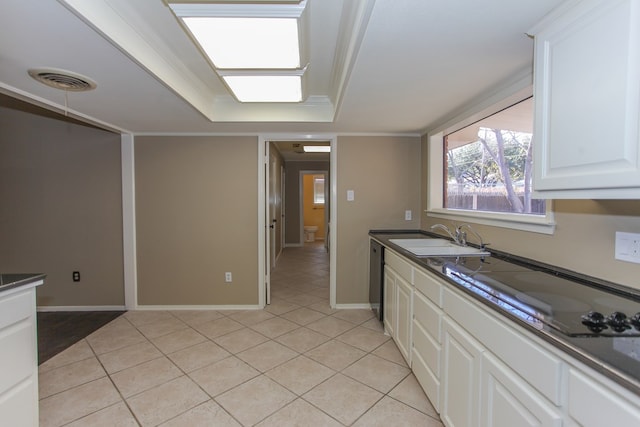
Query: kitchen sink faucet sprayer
point(455, 238)
point(460, 236)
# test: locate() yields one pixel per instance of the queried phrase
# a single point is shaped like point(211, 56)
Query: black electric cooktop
point(541, 298)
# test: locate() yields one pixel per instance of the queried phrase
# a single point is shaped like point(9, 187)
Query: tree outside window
point(488, 164)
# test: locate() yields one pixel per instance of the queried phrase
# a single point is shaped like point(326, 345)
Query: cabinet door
point(403, 327)
point(507, 400)
point(460, 377)
point(587, 96)
point(593, 403)
point(19, 378)
point(389, 302)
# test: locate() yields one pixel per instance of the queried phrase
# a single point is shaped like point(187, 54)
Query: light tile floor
point(296, 363)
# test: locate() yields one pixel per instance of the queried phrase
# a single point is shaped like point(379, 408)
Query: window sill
point(532, 223)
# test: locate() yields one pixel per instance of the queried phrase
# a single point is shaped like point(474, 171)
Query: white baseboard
point(196, 307)
point(44, 308)
point(353, 306)
point(49, 308)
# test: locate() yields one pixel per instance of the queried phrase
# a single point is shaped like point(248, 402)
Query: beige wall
point(384, 173)
point(583, 240)
point(196, 218)
point(60, 206)
point(292, 234)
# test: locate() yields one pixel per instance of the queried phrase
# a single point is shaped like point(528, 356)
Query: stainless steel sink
point(437, 247)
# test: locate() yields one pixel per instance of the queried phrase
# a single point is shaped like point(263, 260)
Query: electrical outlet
point(227, 277)
point(627, 247)
point(407, 215)
point(76, 276)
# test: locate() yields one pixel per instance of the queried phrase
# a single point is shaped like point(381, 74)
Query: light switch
point(350, 196)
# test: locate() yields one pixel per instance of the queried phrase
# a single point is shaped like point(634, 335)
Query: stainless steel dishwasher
point(376, 266)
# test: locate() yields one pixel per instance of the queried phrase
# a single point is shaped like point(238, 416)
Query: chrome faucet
point(462, 235)
point(445, 228)
point(459, 236)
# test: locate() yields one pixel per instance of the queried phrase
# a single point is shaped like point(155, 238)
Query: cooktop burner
point(617, 321)
point(540, 298)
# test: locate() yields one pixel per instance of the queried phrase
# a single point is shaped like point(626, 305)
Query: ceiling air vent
point(62, 79)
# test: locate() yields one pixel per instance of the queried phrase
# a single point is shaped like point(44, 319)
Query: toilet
point(310, 233)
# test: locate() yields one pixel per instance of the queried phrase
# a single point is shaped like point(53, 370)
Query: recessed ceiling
point(375, 66)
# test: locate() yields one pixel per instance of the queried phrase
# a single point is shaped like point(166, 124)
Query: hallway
point(296, 363)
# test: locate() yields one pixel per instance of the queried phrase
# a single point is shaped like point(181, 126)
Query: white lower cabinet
point(398, 295)
point(508, 401)
point(398, 301)
point(18, 358)
point(404, 298)
point(595, 402)
point(461, 377)
point(389, 309)
point(480, 369)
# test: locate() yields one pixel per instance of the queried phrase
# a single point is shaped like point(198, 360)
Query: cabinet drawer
point(18, 357)
point(513, 346)
point(429, 350)
point(428, 285)
point(400, 266)
point(16, 307)
point(428, 316)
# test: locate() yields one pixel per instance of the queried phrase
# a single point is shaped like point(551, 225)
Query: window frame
point(544, 224)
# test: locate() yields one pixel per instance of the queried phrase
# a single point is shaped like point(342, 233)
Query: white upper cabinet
point(587, 101)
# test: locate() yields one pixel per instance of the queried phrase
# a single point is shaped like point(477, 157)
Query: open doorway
point(314, 206)
point(297, 164)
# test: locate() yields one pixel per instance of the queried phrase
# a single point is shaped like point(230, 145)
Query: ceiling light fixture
point(256, 48)
point(317, 148)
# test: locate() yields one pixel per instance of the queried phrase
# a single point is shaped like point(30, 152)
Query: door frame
point(264, 275)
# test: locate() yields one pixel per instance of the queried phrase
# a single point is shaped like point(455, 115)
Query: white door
point(268, 252)
point(272, 219)
point(282, 205)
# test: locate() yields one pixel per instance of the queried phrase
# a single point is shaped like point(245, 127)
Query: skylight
point(265, 88)
point(248, 42)
point(254, 48)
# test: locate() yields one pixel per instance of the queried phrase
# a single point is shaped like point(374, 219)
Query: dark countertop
point(12, 281)
point(618, 358)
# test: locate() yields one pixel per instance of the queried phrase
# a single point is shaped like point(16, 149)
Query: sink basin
point(420, 243)
point(437, 247)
